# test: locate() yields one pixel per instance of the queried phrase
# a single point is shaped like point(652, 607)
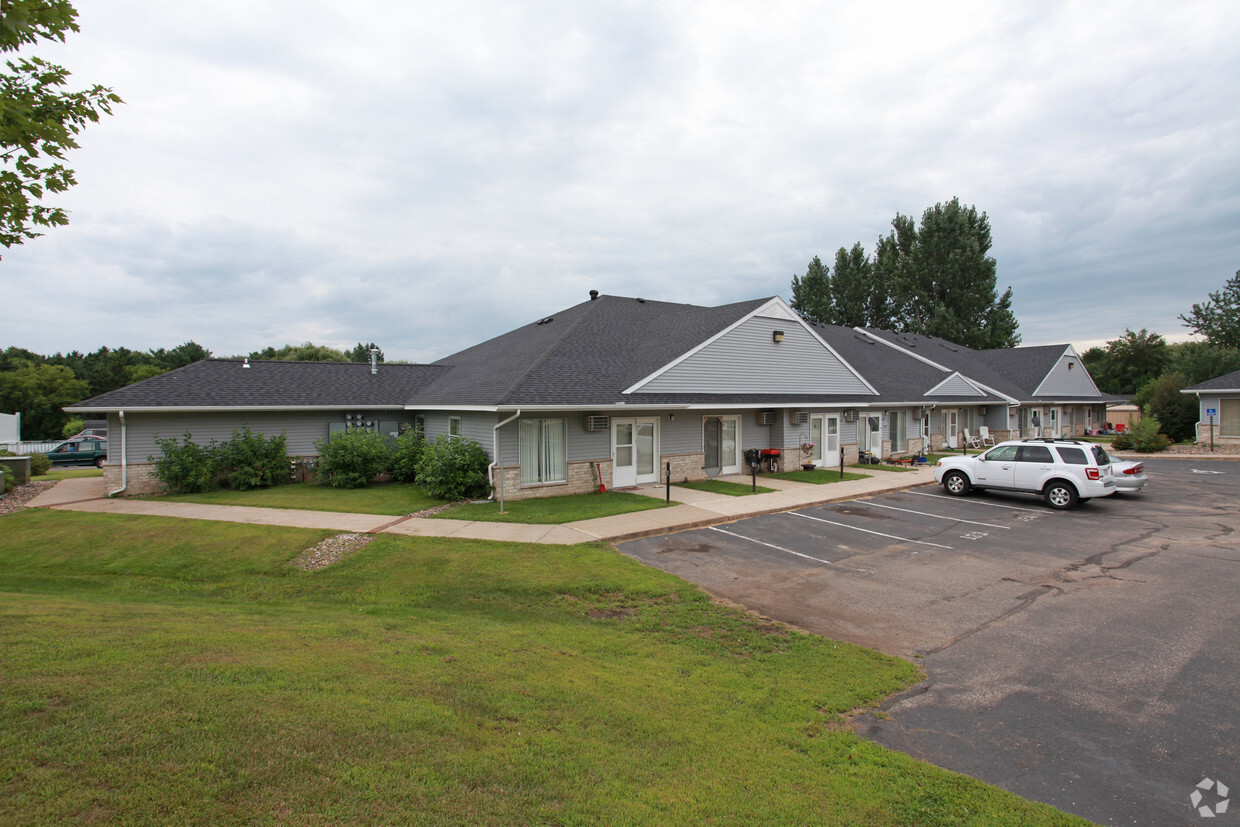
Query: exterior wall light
point(777, 336)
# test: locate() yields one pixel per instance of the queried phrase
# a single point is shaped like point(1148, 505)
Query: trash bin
point(771, 457)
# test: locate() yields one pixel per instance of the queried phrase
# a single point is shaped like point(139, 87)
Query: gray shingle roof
point(1226, 382)
point(227, 383)
point(585, 355)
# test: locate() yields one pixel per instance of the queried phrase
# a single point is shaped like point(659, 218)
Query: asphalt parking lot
point(1089, 659)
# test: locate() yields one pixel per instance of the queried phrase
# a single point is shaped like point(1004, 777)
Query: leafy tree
point(136, 373)
point(454, 468)
point(361, 353)
point(936, 278)
point(305, 352)
point(1219, 318)
point(39, 392)
point(73, 427)
point(1176, 411)
point(39, 119)
point(180, 356)
point(1199, 361)
point(1130, 362)
point(352, 459)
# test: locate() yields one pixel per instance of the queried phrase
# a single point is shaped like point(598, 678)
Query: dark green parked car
point(81, 450)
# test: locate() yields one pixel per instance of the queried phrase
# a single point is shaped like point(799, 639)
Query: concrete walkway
point(697, 509)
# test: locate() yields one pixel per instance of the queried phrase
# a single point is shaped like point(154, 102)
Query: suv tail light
point(1093, 473)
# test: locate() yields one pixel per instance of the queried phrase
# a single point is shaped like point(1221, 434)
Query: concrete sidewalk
point(697, 509)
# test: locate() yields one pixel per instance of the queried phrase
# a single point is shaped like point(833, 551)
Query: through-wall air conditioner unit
point(798, 417)
point(850, 415)
point(766, 417)
point(597, 423)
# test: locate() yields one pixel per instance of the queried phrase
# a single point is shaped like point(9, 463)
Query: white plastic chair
point(984, 434)
point(971, 441)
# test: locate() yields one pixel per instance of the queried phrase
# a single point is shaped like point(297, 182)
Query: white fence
point(23, 448)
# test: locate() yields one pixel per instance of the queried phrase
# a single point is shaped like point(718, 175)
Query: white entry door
point(871, 433)
point(951, 427)
point(634, 451)
point(1053, 416)
point(824, 432)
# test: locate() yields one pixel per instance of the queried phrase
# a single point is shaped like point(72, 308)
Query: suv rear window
point(1101, 456)
point(1072, 456)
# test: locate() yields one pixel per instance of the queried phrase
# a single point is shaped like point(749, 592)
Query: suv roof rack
point(1056, 439)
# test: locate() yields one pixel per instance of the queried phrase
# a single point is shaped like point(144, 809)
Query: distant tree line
point(39, 387)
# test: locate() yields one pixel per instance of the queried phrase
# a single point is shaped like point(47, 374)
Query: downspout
point(124, 458)
point(495, 462)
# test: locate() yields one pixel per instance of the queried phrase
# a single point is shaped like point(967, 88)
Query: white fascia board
point(776, 308)
point(1068, 351)
point(1208, 391)
point(226, 408)
point(471, 408)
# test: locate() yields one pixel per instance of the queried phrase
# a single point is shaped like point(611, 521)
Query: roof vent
point(641, 301)
point(593, 295)
point(246, 363)
point(547, 320)
point(374, 361)
point(946, 346)
point(865, 339)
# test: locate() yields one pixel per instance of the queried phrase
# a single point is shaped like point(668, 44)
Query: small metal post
point(1211, 435)
point(669, 482)
point(753, 473)
point(841, 449)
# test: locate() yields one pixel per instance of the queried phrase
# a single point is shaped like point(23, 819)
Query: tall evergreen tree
point(811, 293)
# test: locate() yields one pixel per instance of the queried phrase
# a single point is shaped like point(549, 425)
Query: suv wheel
point(1060, 495)
point(956, 484)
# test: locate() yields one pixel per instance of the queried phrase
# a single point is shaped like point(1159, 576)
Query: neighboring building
point(627, 389)
point(1222, 396)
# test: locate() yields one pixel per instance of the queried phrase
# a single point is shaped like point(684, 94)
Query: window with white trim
point(898, 427)
point(1229, 417)
point(544, 451)
point(454, 426)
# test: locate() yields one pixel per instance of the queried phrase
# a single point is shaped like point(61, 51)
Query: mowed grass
point(555, 510)
point(732, 489)
point(68, 474)
point(157, 671)
point(886, 467)
point(396, 499)
point(818, 476)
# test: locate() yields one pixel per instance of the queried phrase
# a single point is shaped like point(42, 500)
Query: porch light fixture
point(777, 336)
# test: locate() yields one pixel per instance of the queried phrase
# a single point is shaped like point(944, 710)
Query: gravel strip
point(331, 550)
point(22, 494)
point(427, 512)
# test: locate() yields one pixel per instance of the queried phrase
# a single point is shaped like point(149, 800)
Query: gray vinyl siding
point(301, 428)
point(955, 386)
point(1210, 401)
point(475, 425)
point(1062, 381)
point(583, 445)
point(747, 360)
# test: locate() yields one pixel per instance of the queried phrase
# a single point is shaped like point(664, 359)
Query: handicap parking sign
point(1211, 411)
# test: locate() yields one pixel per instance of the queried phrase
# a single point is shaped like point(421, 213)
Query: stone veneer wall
point(580, 481)
point(142, 479)
point(690, 467)
point(1203, 435)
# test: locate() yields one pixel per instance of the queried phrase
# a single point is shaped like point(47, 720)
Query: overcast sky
point(430, 175)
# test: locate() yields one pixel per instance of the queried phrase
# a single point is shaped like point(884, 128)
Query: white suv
point(1064, 471)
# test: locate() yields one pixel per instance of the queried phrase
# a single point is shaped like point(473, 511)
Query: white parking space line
point(868, 531)
point(937, 516)
point(768, 545)
point(977, 502)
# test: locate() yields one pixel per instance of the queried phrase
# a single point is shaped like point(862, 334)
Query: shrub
point(454, 468)
point(40, 464)
point(1145, 436)
point(73, 427)
point(352, 459)
point(253, 460)
point(1176, 411)
point(185, 468)
point(406, 455)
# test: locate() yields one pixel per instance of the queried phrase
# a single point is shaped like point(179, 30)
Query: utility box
point(18, 468)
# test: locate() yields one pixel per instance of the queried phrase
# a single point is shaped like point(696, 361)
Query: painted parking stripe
point(977, 502)
point(868, 531)
point(768, 545)
point(937, 516)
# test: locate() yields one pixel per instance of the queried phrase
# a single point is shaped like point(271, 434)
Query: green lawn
point(393, 498)
point(157, 671)
point(555, 510)
point(818, 476)
point(883, 467)
point(68, 474)
point(732, 489)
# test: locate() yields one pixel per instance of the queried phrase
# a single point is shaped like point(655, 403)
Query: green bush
point(185, 468)
point(352, 459)
point(253, 460)
point(406, 454)
point(40, 464)
point(1145, 436)
point(73, 427)
point(454, 468)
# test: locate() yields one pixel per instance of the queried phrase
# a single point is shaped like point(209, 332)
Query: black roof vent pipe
point(593, 295)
